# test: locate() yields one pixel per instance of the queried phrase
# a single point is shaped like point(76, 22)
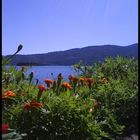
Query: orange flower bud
point(31, 75)
point(23, 68)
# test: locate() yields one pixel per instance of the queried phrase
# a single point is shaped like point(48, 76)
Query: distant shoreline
point(88, 55)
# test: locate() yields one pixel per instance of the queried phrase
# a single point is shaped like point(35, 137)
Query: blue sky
point(51, 25)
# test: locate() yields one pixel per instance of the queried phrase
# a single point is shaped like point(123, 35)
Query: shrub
point(101, 103)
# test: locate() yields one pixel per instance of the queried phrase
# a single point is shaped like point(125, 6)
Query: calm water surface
point(43, 72)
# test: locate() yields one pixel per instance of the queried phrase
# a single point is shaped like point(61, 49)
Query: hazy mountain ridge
point(89, 55)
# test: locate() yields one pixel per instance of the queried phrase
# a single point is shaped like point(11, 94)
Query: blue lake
point(51, 72)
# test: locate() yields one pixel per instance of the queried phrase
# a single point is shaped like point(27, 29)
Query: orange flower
point(8, 94)
point(27, 106)
point(41, 87)
point(34, 104)
point(82, 79)
point(66, 85)
point(89, 81)
point(49, 81)
point(73, 78)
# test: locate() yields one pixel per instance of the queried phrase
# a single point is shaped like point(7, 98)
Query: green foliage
point(120, 94)
point(63, 119)
point(83, 69)
point(107, 110)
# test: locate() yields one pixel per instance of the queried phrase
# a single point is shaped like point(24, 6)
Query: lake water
point(51, 72)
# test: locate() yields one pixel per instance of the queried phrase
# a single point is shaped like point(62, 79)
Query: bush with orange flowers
point(100, 103)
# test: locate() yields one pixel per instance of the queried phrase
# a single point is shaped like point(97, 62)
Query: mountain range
point(89, 55)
